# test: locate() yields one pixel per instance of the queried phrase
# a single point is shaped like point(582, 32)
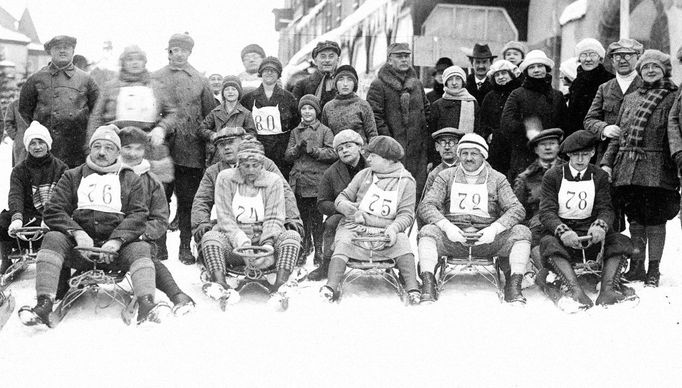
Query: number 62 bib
point(100, 193)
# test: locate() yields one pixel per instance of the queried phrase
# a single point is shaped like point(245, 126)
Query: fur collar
point(398, 81)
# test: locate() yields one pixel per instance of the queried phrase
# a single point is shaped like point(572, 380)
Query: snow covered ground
point(370, 339)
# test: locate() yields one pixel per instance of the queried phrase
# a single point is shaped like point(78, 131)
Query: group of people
point(496, 162)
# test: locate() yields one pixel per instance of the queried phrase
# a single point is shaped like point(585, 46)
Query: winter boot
point(564, 270)
point(148, 311)
point(38, 315)
point(619, 281)
point(63, 285)
point(320, 273)
point(328, 294)
point(653, 274)
point(636, 271)
point(414, 297)
point(512, 289)
point(317, 259)
point(175, 224)
point(281, 279)
point(5, 261)
point(186, 257)
point(429, 292)
point(182, 304)
point(610, 275)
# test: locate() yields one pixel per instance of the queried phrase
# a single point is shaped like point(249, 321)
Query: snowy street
point(468, 338)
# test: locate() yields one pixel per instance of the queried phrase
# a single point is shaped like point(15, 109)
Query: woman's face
point(589, 60)
point(37, 148)
point(378, 163)
point(502, 77)
point(250, 169)
point(537, 70)
point(651, 72)
point(269, 76)
point(513, 56)
point(454, 82)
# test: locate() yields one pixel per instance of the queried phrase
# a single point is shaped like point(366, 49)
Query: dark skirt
point(648, 205)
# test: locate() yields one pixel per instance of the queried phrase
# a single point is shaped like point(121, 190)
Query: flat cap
point(386, 147)
point(397, 48)
point(228, 133)
point(448, 131)
point(549, 133)
point(70, 40)
point(578, 141)
point(326, 45)
point(184, 41)
point(625, 45)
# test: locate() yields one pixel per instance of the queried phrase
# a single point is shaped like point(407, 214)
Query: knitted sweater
point(350, 112)
point(31, 184)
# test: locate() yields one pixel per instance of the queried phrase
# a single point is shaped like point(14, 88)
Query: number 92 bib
point(101, 193)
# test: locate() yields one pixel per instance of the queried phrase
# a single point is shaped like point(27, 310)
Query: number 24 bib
point(100, 193)
point(248, 210)
point(576, 199)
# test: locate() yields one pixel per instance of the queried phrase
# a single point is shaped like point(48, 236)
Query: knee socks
point(519, 256)
point(213, 257)
point(287, 256)
point(48, 267)
point(164, 280)
point(655, 235)
point(428, 254)
point(143, 278)
point(408, 270)
point(337, 268)
point(638, 237)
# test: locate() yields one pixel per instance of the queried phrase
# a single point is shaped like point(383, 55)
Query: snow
point(573, 11)
point(465, 339)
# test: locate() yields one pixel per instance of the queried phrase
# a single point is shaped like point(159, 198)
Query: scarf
point(652, 94)
point(540, 85)
point(141, 168)
point(466, 107)
point(114, 168)
point(403, 83)
point(142, 77)
point(41, 179)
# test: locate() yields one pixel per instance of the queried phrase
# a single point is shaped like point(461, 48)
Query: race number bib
point(378, 202)
point(576, 199)
point(248, 210)
point(470, 199)
point(136, 103)
point(100, 193)
point(267, 120)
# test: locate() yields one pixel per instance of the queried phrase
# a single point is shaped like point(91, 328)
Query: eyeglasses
point(593, 56)
point(619, 57)
point(447, 142)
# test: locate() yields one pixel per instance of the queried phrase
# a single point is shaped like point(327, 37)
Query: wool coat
point(446, 113)
point(334, 180)
point(479, 94)
point(218, 119)
point(310, 84)
point(581, 94)
point(490, 114)
point(309, 167)
point(155, 199)
point(528, 189)
point(350, 112)
point(62, 101)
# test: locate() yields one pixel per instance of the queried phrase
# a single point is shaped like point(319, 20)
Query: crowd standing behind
point(491, 162)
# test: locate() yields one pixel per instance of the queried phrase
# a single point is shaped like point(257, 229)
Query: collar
point(575, 172)
point(187, 69)
point(546, 165)
point(448, 165)
point(480, 80)
point(314, 125)
point(626, 78)
point(68, 69)
point(475, 173)
point(141, 168)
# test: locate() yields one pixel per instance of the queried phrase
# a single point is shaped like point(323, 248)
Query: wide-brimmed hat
point(535, 57)
point(481, 51)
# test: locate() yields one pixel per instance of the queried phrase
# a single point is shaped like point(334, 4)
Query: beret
point(578, 141)
point(386, 147)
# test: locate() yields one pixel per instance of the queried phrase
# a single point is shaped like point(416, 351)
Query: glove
point(359, 217)
point(157, 135)
point(570, 239)
point(83, 240)
point(453, 233)
point(597, 232)
point(392, 237)
point(608, 171)
point(310, 148)
point(302, 146)
point(489, 233)
point(200, 231)
point(611, 131)
point(16, 224)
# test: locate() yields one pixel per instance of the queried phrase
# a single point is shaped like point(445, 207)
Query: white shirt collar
point(624, 81)
point(575, 172)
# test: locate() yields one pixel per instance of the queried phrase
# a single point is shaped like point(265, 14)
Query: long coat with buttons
point(61, 100)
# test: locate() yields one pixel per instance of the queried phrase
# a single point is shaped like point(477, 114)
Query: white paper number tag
point(100, 193)
point(248, 210)
point(267, 120)
point(136, 103)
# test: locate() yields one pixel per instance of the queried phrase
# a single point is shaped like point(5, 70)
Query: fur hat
point(312, 100)
point(347, 136)
point(656, 57)
point(514, 45)
point(578, 141)
point(37, 131)
point(183, 41)
point(108, 133)
point(270, 63)
point(472, 140)
point(132, 135)
point(502, 65)
point(588, 44)
point(386, 147)
point(326, 45)
point(251, 149)
point(132, 50)
point(70, 40)
point(625, 45)
point(550, 133)
point(347, 70)
point(452, 71)
point(397, 48)
point(234, 81)
point(536, 57)
point(253, 48)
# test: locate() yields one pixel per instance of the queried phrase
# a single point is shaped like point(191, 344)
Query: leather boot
point(38, 315)
point(609, 294)
point(317, 259)
point(564, 270)
point(182, 304)
point(653, 274)
point(148, 311)
point(185, 255)
point(429, 291)
point(320, 273)
point(219, 277)
point(512, 289)
point(282, 278)
point(636, 271)
point(5, 261)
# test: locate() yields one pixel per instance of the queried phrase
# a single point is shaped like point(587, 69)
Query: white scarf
point(624, 81)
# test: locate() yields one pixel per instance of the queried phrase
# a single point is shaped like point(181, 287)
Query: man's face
point(547, 150)
point(326, 61)
point(250, 169)
point(513, 56)
point(132, 154)
point(37, 148)
point(400, 61)
point(537, 70)
point(471, 159)
point(580, 159)
point(230, 94)
point(216, 82)
point(438, 77)
point(447, 148)
point(651, 72)
point(308, 114)
point(481, 66)
point(252, 62)
point(134, 64)
point(624, 62)
point(178, 56)
point(345, 85)
point(269, 76)
point(228, 149)
point(62, 54)
point(349, 153)
point(103, 153)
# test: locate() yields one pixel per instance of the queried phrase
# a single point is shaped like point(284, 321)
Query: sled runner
point(26, 257)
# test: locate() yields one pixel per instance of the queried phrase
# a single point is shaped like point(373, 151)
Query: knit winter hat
point(37, 131)
point(251, 149)
point(472, 140)
point(131, 51)
point(270, 63)
point(454, 71)
point(502, 65)
point(535, 57)
point(312, 100)
point(70, 40)
point(386, 147)
point(590, 44)
point(347, 136)
point(656, 57)
point(253, 48)
point(184, 41)
point(347, 70)
point(514, 45)
point(132, 135)
point(234, 81)
point(108, 133)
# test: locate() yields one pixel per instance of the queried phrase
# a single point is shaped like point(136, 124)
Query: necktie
point(478, 85)
point(577, 177)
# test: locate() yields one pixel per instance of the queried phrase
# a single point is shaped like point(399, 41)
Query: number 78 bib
point(470, 199)
point(576, 199)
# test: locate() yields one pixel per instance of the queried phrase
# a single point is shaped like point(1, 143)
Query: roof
point(13, 36)
point(27, 27)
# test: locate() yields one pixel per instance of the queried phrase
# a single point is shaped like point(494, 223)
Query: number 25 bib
point(470, 199)
point(248, 210)
point(378, 202)
point(136, 103)
point(267, 120)
point(101, 193)
point(576, 199)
